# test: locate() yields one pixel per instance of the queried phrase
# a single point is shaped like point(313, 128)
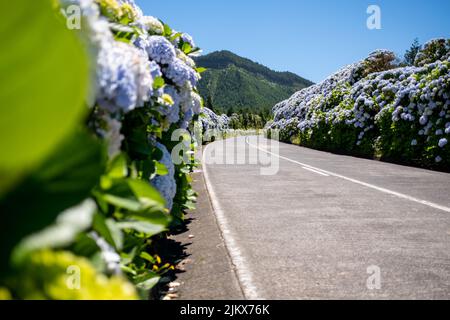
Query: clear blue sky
point(312, 38)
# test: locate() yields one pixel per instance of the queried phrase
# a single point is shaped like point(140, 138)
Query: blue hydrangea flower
point(126, 92)
point(188, 39)
point(443, 142)
point(166, 184)
point(160, 50)
point(180, 73)
point(124, 80)
point(141, 42)
point(196, 103)
point(211, 121)
point(187, 118)
point(155, 70)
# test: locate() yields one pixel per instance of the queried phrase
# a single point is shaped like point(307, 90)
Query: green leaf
point(134, 195)
point(137, 143)
point(128, 270)
point(200, 69)
point(146, 281)
point(161, 169)
point(63, 232)
point(186, 48)
point(153, 217)
point(167, 30)
point(146, 194)
point(117, 168)
point(146, 256)
point(64, 180)
point(116, 233)
point(189, 205)
point(43, 86)
point(124, 203)
point(107, 228)
point(175, 36)
point(150, 229)
point(158, 83)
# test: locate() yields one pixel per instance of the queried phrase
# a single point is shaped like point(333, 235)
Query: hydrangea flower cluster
point(166, 184)
point(124, 77)
point(142, 89)
point(159, 49)
point(212, 121)
point(374, 107)
point(150, 70)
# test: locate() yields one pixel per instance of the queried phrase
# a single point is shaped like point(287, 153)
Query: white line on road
point(315, 171)
point(368, 185)
point(243, 273)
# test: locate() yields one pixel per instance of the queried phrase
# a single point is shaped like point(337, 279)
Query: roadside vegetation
point(88, 184)
point(380, 107)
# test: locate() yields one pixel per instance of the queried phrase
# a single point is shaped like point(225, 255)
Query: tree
point(209, 104)
point(410, 55)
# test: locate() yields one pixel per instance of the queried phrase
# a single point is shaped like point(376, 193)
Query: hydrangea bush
point(211, 121)
point(374, 108)
point(143, 88)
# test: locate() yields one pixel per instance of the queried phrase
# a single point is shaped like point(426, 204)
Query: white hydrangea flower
point(152, 24)
point(186, 59)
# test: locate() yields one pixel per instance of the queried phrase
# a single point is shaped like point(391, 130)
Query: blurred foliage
point(30, 134)
point(60, 275)
point(64, 204)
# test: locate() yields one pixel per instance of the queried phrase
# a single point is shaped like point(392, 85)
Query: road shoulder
point(208, 271)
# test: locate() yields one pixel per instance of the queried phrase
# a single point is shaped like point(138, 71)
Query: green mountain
point(233, 84)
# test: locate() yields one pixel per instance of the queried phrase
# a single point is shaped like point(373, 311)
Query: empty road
point(327, 226)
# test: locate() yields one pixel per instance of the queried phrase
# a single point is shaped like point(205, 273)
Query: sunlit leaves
point(43, 83)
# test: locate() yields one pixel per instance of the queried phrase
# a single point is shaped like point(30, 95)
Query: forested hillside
point(232, 84)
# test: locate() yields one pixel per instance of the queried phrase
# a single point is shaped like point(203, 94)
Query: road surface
point(328, 226)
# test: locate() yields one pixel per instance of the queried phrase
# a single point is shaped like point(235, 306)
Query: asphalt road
point(328, 226)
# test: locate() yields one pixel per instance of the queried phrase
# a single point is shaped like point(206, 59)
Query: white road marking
point(315, 171)
point(365, 184)
point(244, 275)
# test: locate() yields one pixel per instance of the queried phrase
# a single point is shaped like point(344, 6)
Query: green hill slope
point(233, 84)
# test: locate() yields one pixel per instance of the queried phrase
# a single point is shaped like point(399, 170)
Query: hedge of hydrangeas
point(374, 108)
point(143, 88)
point(211, 121)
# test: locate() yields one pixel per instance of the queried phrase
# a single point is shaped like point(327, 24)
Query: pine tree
point(410, 55)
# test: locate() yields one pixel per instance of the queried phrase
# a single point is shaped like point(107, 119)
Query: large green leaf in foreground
point(64, 180)
point(43, 83)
